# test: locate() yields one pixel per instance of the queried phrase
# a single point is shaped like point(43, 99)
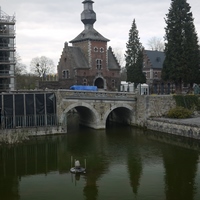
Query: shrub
point(187, 101)
point(179, 113)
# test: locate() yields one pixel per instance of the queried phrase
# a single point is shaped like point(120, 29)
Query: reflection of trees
point(9, 188)
point(181, 168)
point(135, 162)
point(9, 183)
point(135, 170)
point(129, 140)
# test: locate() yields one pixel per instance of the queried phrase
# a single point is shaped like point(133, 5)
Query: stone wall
point(35, 131)
point(152, 106)
point(174, 127)
point(150, 112)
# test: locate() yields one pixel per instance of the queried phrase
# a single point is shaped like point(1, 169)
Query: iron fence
point(21, 121)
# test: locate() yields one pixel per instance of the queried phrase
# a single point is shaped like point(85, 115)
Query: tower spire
point(88, 16)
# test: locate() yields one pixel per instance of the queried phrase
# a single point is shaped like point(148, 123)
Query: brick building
point(153, 63)
point(88, 61)
point(152, 67)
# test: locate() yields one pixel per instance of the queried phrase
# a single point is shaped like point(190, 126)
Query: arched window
point(95, 49)
point(101, 49)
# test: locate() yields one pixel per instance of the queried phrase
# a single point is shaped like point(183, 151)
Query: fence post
point(14, 118)
point(2, 113)
point(35, 117)
point(24, 98)
point(45, 108)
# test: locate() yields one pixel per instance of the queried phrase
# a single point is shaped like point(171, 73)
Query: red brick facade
point(88, 61)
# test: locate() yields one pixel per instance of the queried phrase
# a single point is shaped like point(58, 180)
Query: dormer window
point(158, 59)
point(101, 49)
point(95, 49)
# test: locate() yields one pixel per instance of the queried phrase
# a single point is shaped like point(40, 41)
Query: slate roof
point(89, 34)
point(112, 61)
point(78, 58)
point(156, 58)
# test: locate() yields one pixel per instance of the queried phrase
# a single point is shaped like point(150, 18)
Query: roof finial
point(88, 16)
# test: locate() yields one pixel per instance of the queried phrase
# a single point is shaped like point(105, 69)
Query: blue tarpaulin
point(84, 87)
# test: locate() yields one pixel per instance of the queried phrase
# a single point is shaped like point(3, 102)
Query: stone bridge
point(96, 108)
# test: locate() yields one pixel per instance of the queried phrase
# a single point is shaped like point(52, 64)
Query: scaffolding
point(7, 52)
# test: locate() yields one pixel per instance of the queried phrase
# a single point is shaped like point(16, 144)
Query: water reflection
point(180, 172)
point(122, 163)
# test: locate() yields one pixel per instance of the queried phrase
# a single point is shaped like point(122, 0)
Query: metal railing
point(21, 121)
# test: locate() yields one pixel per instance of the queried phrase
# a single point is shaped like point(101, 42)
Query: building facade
point(88, 60)
point(152, 67)
point(7, 52)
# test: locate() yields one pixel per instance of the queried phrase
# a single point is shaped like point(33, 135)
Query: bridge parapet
point(80, 94)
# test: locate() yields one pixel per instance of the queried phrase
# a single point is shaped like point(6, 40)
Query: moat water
point(122, 163)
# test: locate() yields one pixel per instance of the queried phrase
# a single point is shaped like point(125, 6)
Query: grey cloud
point(54, 22)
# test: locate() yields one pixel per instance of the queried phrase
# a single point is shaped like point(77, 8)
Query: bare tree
point(121, 60)
point(119, 56)
point(156, 44)
point(123, 73)
point(42, 66)
point(20, 68)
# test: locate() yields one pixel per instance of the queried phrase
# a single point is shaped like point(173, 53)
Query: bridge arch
point(88, 115)
point(121, 113)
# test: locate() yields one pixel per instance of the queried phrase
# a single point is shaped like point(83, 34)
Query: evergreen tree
point(181, 64)
point(134, 57)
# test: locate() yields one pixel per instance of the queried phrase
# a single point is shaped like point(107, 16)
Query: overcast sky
point(43, 26)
